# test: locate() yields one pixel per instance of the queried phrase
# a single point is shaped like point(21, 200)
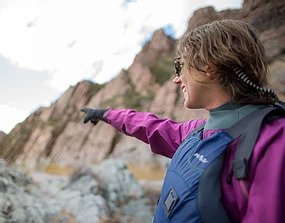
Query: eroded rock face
point(92, 194)
point(2, 135)
point(277, 79)
point(266, 16)
point(57, 135)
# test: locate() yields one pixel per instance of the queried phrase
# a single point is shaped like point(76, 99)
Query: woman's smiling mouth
point(183, 88)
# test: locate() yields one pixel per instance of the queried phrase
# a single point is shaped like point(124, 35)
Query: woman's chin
point(189, 105)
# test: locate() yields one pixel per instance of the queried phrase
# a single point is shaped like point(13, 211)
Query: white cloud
point(10, 116)
point(37, 34)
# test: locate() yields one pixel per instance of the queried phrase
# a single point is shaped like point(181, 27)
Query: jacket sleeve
point(163, 135)
point(266, 195)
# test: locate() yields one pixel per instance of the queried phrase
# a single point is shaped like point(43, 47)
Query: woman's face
point(198, 90)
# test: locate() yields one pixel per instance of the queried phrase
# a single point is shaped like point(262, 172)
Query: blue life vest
point(187, 183)
point(191, 190)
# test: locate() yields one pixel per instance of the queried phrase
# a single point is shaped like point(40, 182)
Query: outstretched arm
point(163, 135)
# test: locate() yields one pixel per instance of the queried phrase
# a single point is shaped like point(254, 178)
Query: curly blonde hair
point(231, 51)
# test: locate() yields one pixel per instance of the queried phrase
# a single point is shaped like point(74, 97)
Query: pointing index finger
point(84, 110)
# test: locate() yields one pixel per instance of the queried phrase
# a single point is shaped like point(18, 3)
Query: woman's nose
point(176, 80)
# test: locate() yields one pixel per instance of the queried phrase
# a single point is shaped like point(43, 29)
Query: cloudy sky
point(48, 45)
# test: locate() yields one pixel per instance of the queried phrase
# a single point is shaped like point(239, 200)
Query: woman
point(221, 67)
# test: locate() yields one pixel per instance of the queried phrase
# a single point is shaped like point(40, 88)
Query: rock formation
point(100, 193)
point(2, 135)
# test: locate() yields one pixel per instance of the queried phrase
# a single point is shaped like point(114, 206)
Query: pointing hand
point(93, 115)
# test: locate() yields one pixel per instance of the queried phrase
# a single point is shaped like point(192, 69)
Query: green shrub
point(162, 69)
point(94, 88)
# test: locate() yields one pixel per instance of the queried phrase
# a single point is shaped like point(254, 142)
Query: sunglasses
point(178, 66)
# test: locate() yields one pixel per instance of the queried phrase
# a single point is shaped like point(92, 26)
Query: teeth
point(183, 89)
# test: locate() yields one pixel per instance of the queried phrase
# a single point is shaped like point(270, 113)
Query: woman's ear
point(209, 72)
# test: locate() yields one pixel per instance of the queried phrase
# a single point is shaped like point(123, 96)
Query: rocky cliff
point(56, 134)
point(268, 17)
point(2, 135)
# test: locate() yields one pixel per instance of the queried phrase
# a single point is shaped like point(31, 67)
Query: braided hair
point(244, 77)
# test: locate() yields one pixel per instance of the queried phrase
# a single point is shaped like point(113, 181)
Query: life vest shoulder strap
point(247, 129)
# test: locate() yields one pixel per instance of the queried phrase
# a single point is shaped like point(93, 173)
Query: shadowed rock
point(95, 194)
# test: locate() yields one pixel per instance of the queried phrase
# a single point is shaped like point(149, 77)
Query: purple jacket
point(260, 198)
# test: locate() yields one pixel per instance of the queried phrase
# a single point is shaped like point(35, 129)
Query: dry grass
point(56, 169)
point(110, 220)
point(146, 172)
point(140, 172)
point(63, 216)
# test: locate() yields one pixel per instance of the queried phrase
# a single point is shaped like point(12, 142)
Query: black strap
point(248, 130)
point(198, 128)
point(280, 104)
